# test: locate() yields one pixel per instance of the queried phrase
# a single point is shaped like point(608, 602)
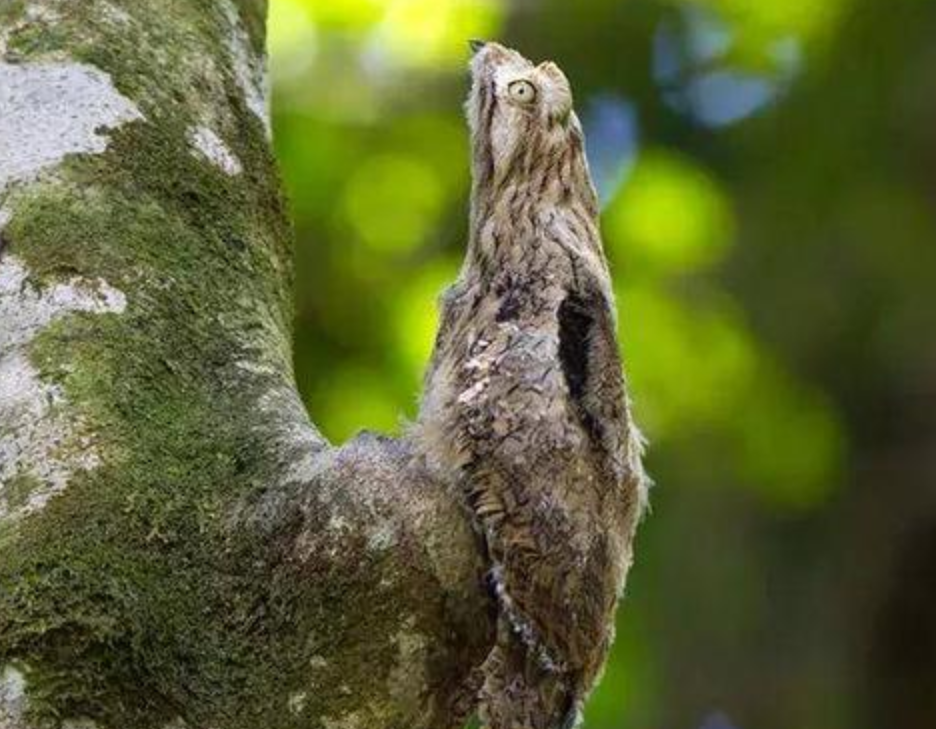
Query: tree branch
point(178, 544)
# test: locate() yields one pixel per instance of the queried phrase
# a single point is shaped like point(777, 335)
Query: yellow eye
point(523, 92)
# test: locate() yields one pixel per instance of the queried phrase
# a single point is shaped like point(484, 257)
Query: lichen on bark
point(220, 564)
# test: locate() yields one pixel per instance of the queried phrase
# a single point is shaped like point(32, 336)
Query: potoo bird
point(525, 410)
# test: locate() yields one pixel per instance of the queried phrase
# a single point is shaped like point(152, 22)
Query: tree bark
point(179, 546)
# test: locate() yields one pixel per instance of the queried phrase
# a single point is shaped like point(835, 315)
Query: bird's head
point(521, 117)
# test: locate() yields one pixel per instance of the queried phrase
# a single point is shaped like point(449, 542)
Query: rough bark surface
point(179, 546)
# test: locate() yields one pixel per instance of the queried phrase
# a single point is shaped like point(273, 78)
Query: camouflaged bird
point(525, 408)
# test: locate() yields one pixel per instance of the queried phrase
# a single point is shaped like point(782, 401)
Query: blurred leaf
point(318, 158)
point(765, 20)
point(291, 36)
point(670, 216)
point(791, 444)
point(392, 201)
point(695, 368)
point(687, 364)
point(415, 315)
point(350, 399)
point(438, 140)
point(426, 32)
point(344, 15)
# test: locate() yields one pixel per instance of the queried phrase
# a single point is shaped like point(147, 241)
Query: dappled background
point(768, 172)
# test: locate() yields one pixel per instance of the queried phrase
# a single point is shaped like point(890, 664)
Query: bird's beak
point(476, 45)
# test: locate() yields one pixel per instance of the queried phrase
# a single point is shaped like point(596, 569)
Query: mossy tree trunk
point(179, 547)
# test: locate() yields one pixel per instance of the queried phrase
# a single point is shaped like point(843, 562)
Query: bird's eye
point(523, 92)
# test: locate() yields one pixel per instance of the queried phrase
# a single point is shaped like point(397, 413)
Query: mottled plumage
point(525, 409)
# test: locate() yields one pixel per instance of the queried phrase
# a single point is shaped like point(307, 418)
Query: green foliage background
point(768, 168)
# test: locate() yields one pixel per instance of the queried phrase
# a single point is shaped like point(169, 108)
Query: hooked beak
point(476, 45)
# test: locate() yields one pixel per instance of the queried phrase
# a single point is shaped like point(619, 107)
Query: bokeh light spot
point(807, 19)
point(696, 369)
point(392, 202)
point(685, 363)
point(791, 442)
point(417, 313)
point(612, 138)
point(344, 15)
point(724, 97)
point(423, 32)
point(671, 215)
point(355, 398)
point(289, 28)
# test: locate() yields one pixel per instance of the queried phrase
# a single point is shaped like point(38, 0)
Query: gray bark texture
point(179, 546)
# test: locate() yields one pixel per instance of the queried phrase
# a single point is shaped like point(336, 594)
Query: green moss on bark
point(19, 488)
point(11, 11)
point(130, 596)
point(168, 56)
point(253, 15)
point(120, 592)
